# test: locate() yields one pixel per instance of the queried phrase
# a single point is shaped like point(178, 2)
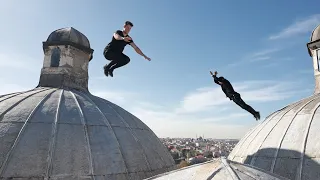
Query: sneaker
point(257, 115)
point(105, 71)
point(111, 72)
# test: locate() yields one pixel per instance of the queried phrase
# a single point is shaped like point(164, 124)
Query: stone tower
point(59, 130)
point(67, 54)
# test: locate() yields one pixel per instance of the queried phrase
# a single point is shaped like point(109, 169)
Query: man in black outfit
point(233, 95)
point(114, 50)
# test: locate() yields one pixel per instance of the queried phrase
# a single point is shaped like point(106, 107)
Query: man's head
point(221, 79)
point(127, 27)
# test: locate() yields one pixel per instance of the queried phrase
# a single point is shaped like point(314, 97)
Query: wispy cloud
point(262, 58)
point(306, 71)
point(168, 124)
point(119, 97)
point(261, 55)
point(268, 57)
point(204, 99)
point(299, 27)
point(14, 61)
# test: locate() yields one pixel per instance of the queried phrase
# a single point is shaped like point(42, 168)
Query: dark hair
point(221, 78)
point(128, 23)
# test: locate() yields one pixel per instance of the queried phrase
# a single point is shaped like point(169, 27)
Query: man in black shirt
point(114, 50)
point(233, 95)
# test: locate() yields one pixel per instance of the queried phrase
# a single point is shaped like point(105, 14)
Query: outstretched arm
point(138, 50)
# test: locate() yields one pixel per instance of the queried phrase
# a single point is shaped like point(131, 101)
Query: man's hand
point(215, 73)
point(127, 39)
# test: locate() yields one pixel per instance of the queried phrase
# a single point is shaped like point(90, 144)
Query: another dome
point(218, 169)
point(315, 34)
point(286, 143)
point(69, 36)
point(68, 134)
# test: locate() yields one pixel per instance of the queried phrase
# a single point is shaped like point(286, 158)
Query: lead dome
point(315, 34)
point(70, 36)
point(59, 130)
point(287, 141)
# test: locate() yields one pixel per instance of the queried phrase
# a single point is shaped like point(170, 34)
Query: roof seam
point(149, 138)
point(53, 137)
point(83, 121)
point(18, 93)
point(305, 141)
point(112, 130)
point(18, 102)
point(232, 173)
point(134, 135)
point(22, 130)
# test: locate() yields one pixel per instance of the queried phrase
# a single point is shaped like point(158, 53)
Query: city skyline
point(174, 93)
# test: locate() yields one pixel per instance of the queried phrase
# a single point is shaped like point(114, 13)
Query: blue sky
point(259, 46)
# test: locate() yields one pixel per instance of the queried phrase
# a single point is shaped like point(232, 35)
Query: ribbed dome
point(68, 36)
point(68, 134)
point(286, 143)
point(315, 34)
point(218, 169)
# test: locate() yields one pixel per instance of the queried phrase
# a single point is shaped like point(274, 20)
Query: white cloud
point(261, 55)
point(169, 124)
point(262, 58)
point(118, 97)
point(299, 27)
point(255, 91)
point(263, 52)
point(207, 110)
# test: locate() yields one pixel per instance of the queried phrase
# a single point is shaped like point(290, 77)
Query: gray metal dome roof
point(315, 37)
point(69, 36)
point(315, 34)
point(67, 134)
point(286, 142)
point(218, 169)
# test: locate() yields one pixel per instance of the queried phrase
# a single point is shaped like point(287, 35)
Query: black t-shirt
point(225, 86)
point(117, 45)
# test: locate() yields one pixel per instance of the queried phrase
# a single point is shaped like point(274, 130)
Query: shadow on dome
point(288, 163)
